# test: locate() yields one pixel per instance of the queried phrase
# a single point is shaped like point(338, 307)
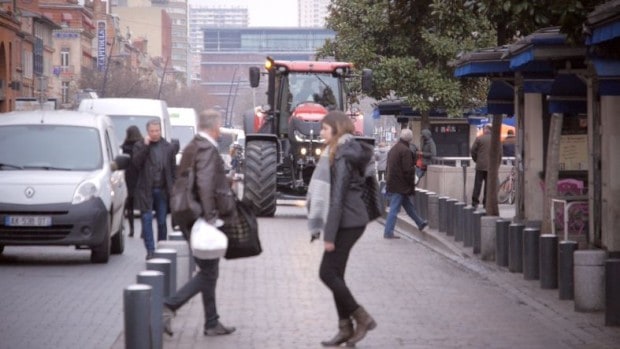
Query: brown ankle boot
point(345, 331)
point(363, 323)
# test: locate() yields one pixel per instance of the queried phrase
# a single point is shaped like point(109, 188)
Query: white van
point(125, 112)
point(184, 124)
point(61, 181)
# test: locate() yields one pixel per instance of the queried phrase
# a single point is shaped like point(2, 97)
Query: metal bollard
point(531, 254)
point(589, 276)
point(433, 211)
point(612, 292)
point(487, 237)
point(155, 279)
point(459, 230)
point(468, 213)
point(420, 203)
point(476, 238)
point(176, 236)
point(137, 315)
point(164, 266)
point(450, 217)
point(170, 254)
point(184, 256)
point(566, 282)
point(424, 204)
point(501, 242)
point(515, 247)
point(548, 261)
point(443, 214)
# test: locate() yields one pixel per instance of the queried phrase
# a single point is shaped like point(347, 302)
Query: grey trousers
point(204, 282)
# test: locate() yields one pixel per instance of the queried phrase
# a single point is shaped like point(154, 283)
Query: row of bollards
point(589, 277)
point(143, 301)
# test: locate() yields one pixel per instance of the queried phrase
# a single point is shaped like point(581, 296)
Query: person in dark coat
point(336, 197)
point(480, 153)
point(400, 184)
point(155, 160)
point(211, 186)
point(508, 145)
point(132, 136)
point(428, 152)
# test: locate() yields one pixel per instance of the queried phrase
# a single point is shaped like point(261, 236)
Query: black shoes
point(423, 226)
point(150, 255)
point(391, 237)
point(218, 330)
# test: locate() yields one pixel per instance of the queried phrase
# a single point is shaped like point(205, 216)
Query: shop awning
point(568, 95)
point(537, 85)
point(500, 99)
point(483, 68)
point(604, 33)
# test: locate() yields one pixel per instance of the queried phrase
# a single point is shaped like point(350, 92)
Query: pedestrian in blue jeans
point(400, 184)
point(155, 162)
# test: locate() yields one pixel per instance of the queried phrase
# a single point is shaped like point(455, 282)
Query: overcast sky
point(263, 13)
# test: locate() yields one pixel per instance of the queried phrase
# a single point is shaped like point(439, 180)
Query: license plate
point(28, 221)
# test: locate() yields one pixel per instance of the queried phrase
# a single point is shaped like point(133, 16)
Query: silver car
point(61, 182)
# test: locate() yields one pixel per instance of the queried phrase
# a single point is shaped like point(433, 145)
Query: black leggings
point(332, 270)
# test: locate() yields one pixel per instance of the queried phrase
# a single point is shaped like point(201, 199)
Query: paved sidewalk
point(420, 295)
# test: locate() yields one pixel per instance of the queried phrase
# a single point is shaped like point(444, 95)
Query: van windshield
point(122, 122)
point(184, 134)
point(50, 147)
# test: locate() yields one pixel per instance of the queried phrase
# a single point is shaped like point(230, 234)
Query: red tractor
point(282, 137)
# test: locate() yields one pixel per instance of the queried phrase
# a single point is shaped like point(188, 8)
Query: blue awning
point(482, 68)
point(568, 95)
point(609, 87)
point(537, 85)
point(604, 33)
point(500, 99)
point(606, 67)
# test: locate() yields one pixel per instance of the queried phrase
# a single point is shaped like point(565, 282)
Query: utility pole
point(107, 66)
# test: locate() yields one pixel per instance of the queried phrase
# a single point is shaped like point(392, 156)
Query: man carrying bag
point(213, 193)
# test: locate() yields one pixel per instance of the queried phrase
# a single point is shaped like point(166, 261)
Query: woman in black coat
point(133, 135)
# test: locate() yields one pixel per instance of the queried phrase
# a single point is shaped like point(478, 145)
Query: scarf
point(317, 199)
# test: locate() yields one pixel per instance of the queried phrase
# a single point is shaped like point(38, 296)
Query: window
point(65, 92)
point(64, 56)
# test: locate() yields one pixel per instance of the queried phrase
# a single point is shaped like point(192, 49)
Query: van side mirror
point(367, 81)
point(254, 77)
point(121, 162)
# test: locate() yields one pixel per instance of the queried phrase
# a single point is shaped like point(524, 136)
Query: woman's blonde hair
point(341, 124)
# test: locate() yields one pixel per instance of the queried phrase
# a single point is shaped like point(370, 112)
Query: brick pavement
point(420, 299)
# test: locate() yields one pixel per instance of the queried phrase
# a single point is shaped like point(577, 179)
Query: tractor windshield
point(320, 88)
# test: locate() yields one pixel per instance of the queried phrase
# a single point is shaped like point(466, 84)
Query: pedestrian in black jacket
point(400, 183)
point(133, 135)
point(155, 160)
point(338, 210)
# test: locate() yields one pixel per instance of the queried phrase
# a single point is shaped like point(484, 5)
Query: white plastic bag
point(207, 241)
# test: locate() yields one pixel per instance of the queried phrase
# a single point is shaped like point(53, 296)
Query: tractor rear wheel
point(260, 177)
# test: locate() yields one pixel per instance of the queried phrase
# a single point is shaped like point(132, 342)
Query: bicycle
point(506, 191)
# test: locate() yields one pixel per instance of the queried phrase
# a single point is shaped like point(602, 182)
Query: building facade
point(207, 16)
point(312, 13)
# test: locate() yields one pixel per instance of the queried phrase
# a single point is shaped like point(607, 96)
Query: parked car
point(61, 182)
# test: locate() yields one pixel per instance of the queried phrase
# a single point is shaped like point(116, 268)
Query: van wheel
point(118, 239)
point(1, 249)
point(101, 253)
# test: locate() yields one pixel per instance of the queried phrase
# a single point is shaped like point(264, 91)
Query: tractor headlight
point(317, 151)
point(303, 151)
